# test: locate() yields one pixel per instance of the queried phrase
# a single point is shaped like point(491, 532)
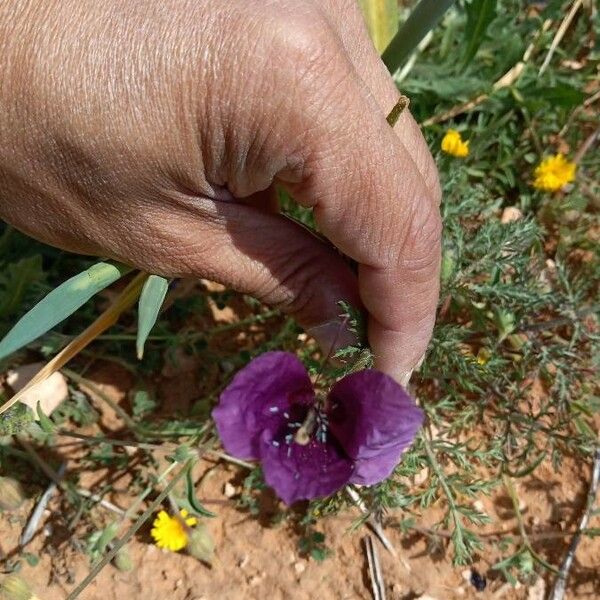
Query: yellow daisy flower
point(168, 532)
point(553, 173)
point(453, 144)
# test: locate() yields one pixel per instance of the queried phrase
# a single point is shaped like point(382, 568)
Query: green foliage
point(518, 306)
point(59, 304)
point(313, 544)
point(15, 420)
point(480, 14)
point(151, 299)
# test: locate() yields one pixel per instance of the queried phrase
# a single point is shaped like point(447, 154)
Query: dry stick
point(130, 533)
point(377, 584)
point(37, 513)
point(375, 526)
point(587, 144)
point(560, 33)
point(58, 479)
point(588, 102)
point(507, 79)
point(558, 591)
point(107, 319)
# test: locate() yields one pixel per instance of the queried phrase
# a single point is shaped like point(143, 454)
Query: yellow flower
point(168, 532)
point(454, 145)
point(553, 173)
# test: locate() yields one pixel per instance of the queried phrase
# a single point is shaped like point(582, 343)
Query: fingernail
point(332, 336)
point(404, 378)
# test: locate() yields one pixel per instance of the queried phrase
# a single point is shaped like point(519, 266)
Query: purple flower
point(311, 447)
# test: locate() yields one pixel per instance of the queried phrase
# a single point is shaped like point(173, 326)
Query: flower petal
point(374, 420)
point(298, 472)
point(256, 399)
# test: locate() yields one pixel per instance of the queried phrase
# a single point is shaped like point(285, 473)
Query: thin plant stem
point(437, 469)
point(510, 488)
point(422, 20)
point(86, 383)
point(131, 510)
point(130, 533)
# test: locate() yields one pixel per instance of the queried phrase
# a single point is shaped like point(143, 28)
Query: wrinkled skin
point(153, 132)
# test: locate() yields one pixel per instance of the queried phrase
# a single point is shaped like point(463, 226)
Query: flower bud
point(200, 544)
point(14, 587)
point(123, 560)
point(11, 494)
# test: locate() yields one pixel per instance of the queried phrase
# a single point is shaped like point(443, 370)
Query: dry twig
point(377, 584)
point(375, 526)
point(560, 33)
point(560, 585)
point(506, 80)
point(38, 511)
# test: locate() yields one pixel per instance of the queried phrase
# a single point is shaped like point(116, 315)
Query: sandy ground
point(257, 560)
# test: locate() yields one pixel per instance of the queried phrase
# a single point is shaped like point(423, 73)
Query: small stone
point(49, 393)
point(243, 561)
point(466, 575)
point(178, 583)
point(229, 490)
point(299, 567)
point(510, 214)
point(254, 581)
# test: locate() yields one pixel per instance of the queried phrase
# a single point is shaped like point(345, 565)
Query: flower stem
point(422, 20)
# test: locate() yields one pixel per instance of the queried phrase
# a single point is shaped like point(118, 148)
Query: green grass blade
point(480, 13)
point(59, 304)
point(151, 299)
point(422, 20)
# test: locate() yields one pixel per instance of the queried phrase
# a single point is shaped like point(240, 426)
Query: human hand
point(154, 133)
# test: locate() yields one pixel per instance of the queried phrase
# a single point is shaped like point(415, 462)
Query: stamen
point(307, 429)
point(289, 451)
point(288, 438)
point(275, 443)
point(286, 415)
point(274, 409)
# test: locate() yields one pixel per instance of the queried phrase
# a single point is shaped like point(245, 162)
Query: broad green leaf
point(151, 299)
point(107, 319)
point(480, 13)
point(423, 18)
point(59, 304)
point(381, 17)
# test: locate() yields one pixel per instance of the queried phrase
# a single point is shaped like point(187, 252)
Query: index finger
point(371, 201)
